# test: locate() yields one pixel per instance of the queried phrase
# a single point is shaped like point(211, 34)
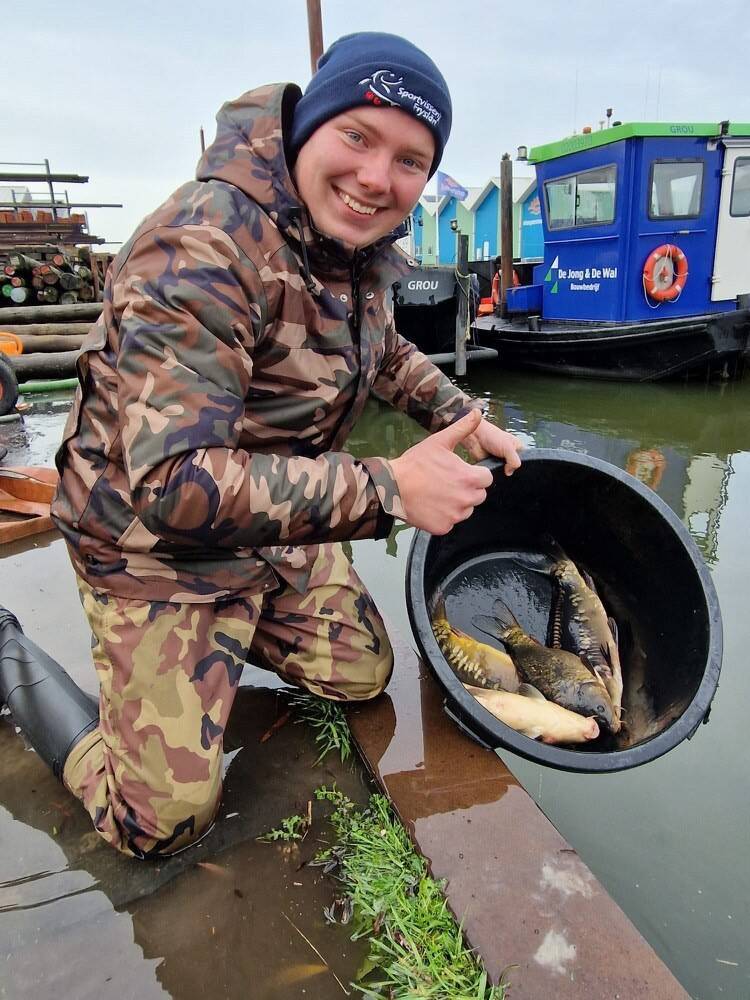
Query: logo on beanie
point(379, 86)
point(381, 89)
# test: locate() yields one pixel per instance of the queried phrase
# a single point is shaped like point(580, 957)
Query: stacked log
point(47, 277)
point(50, 349)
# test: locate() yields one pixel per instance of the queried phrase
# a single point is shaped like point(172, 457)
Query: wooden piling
point(462, 306)
point(506, 230)
point(315, 32)
point(45, 329)
point(81, 312)
point(61, 364)
point(48, 344)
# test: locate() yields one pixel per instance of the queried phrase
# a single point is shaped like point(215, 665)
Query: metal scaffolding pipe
point(9, 178)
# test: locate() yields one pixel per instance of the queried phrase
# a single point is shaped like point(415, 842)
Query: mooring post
point(462, 306)
point(506, 230)
point(315, 32)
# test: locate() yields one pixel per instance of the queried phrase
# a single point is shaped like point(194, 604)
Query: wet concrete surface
point(525, 898)
point(224, 918)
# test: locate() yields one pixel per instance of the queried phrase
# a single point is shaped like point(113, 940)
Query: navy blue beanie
point(372, 68)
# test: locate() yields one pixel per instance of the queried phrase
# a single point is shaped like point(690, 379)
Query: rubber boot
point(46, 704)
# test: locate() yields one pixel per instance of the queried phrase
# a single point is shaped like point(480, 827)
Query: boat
point(425, 306)
point(646, 269)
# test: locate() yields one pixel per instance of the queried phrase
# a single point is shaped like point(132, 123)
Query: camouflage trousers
point(150, 774)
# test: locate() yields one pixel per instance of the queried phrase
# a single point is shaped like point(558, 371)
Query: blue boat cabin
point(642, 222)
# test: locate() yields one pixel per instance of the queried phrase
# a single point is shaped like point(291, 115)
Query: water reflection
point(678, 440)
point(34, 438)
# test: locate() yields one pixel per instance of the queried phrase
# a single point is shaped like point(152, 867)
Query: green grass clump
point(328, 721)
point(291, 828)
point(417, 949)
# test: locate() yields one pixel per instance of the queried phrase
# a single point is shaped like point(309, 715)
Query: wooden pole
point(506, 229)
point(50, 314)
point(50, 344)
point(315, 32)
point(54, 365)
point(462, 306)
point(62, 329)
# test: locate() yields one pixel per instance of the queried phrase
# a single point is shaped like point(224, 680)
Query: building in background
point(435, 225)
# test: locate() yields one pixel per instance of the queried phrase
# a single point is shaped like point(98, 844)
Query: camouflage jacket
point(235, 351)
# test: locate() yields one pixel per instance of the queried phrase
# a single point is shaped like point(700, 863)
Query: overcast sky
point(118, 91)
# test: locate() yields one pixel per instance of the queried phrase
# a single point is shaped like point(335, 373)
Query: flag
point(447, 185)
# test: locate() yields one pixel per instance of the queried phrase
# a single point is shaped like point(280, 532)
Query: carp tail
point(499, 623)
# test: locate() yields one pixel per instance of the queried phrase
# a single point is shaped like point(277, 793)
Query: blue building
point(487, 221)
point(531, 229)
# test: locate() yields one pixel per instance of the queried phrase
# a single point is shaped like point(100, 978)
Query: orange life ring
point(658, 283)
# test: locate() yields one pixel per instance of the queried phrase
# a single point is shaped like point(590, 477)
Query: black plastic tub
point(649, 573)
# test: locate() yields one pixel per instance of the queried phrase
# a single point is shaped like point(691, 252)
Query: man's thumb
point(460, 429)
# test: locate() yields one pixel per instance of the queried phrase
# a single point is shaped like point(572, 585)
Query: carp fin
point(587, 662)
point(589, 581)
point(504, 616)
point(499, 623)
point(613, 629)
point(607, 655)
point(537, 562)
point(529, 691)
point(490, 626)
point(533, 732)
point(596, 668)
point(557, 552)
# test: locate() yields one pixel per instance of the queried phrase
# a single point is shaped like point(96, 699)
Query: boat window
point(740, 203)
point(585, 199)
point(676, 188)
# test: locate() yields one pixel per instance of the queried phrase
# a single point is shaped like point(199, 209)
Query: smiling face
point(362, 172)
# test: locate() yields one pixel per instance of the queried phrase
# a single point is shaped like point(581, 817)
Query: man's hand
point(489, 440)
point(438, 489)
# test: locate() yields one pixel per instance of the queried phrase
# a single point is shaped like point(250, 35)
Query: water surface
point(670, 839)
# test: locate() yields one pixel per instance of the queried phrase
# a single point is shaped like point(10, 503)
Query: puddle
point(218, 919)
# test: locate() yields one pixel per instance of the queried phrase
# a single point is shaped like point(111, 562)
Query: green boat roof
point(632, 130)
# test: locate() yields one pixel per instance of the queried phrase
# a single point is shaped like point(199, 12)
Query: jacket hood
point(249, 153)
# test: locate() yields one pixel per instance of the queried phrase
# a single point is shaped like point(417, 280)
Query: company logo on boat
point(580, 279)
point(422, 286)
point(381, 89)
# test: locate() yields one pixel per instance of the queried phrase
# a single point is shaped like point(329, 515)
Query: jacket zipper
point(355, 290)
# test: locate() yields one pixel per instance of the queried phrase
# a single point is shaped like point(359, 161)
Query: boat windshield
point(582, 199)
point(740, 204)
point(676, 187)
